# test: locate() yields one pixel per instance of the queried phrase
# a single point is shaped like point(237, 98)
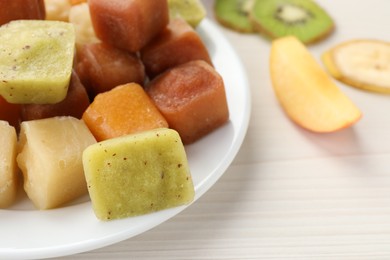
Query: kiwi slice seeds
point(304, 19)
point(234, 14)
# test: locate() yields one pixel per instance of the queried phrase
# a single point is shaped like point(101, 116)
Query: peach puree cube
point(128, 24)
point(177, 44)
point(21, 9)
point(8, 167)
point(125, 109)
point(192, 99)
point(138, 174)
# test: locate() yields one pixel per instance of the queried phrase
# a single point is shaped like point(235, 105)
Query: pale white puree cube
point(8, 167)
point(57, 10)
point(50, 159)
point(80, 16)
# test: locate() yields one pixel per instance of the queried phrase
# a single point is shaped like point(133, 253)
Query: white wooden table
point(290, 194)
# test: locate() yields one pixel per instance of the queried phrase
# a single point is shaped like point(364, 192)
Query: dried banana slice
point(362, 63)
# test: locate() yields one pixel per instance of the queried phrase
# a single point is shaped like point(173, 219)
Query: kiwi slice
point(304, 19)
point(234, 14)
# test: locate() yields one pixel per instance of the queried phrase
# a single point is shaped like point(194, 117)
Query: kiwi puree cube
point(36, 59)
point(192, 11)
point(138, 174)
point(74, 104)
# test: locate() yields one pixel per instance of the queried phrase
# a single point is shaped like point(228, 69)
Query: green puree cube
point(36, 58)
point(138, 174)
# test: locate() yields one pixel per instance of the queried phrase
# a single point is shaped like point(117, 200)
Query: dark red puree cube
point(10, 112)
point(177, 44)
point(102, 67)
point(21, 9)
point(128, 24)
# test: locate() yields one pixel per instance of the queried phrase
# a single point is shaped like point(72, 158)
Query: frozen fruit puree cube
point(36, 59)
point(102, 67)
point(138, 174)
point(10, 112)
point(126, 109)
point(192, 99)
point(74, 104)
point(128, 24)
point(8, 167)
point(177, 44)
point(21, 9)
point(49, 157)
point(192, 11)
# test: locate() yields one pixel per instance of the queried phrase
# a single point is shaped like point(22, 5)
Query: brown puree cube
point(102, 67)
point(177, 44)
point(21, 9)
point(192, 99)
point(75, 103)
point(128, 24)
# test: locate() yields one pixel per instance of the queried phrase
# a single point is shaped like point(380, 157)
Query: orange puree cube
point(74, 104)
point(192, 98)
point(102, 67)
point(177, 44)
point(76, 2)
point(126, 109)
point(21, 9)
point(128, 24)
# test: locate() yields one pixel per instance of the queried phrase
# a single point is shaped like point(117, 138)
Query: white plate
point(29, 233)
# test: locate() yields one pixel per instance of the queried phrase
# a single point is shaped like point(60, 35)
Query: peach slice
point(305, 91)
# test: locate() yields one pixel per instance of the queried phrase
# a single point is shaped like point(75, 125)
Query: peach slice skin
point(306, 92)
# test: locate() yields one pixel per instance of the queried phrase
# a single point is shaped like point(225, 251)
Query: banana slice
point(363, 64)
